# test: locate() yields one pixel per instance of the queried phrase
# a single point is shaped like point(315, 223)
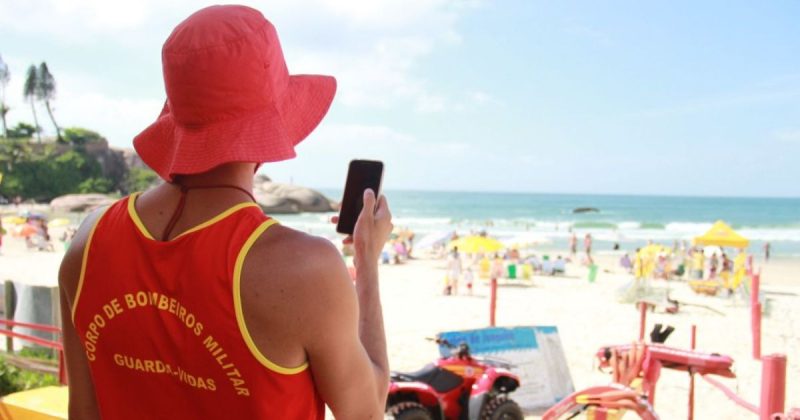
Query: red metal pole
point(755, 314)
point(642, 319)
point(756, 318)
point(691, 376)
point(773, 385)
point(730, 394)
point(755, 286)
point(493, 302)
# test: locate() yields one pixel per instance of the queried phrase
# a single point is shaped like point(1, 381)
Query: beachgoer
point(626, 263)
point(698, 263)
point(587, 244)
point(573, 245)
point(638, 265)
point(767, 249)
point(727, 269)
point(453, 272)
point(559, 266)
point(536, 265)
point(498, 268)
point(712, 266)
point(468, 278)
point(186, 301)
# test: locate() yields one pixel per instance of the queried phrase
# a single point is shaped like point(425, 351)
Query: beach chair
point(706, 287)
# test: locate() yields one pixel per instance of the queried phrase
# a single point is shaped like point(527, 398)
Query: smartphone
point(361, 174)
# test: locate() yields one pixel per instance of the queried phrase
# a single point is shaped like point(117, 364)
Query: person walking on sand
point(468, 279)
point(186, 301)
point(587, 244)
point(573, 246)
point(453, 272)
point(767, 249)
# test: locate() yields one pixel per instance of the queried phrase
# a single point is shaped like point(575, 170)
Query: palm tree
point(5, 75)
point(47, 92)
point(30, 91)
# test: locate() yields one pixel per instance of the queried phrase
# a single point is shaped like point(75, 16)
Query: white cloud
point(788, 135)
point(374, 48)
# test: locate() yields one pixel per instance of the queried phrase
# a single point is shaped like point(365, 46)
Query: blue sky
point(683, 97)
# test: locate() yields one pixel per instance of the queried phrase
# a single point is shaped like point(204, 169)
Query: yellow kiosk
point(722, 235)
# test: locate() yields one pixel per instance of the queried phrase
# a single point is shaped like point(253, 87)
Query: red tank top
point(162, 326)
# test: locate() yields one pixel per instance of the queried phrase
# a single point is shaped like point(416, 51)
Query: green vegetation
point(70, 164)
point(46, 174)
point(140, 179)
point(21, 131)
point(13, 379)
point(80, 136)
point(41, 353)
point(45, 171)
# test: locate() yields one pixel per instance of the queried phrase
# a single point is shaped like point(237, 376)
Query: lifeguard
point(186, 301)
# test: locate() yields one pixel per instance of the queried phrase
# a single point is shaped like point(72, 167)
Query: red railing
point(55, 345)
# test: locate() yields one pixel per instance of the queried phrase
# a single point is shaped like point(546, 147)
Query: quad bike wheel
point(501, 408)
point(409, 411)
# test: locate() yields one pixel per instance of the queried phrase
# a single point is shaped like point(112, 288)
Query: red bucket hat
point(230, 97)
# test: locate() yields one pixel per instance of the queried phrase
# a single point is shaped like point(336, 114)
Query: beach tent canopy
point(722, 235)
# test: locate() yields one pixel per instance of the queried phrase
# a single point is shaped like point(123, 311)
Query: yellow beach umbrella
point(60, 222)
point(474, 244)
point(13, 220)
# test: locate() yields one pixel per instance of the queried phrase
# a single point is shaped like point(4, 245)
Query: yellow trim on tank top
point(237, 304)
point(83, 264)
point(139, 224)
point(217, 218)
point(135, 216)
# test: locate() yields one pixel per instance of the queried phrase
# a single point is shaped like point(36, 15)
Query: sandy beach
point(587, 316)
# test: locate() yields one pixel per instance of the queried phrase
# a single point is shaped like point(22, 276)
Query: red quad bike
point(457, 387)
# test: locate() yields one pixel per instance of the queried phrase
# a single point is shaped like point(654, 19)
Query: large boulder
point(80, 202)
point(275, 197)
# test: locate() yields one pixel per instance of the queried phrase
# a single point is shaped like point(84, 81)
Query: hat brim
point(267, 135)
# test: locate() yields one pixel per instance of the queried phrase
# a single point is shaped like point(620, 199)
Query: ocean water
point(548, 219)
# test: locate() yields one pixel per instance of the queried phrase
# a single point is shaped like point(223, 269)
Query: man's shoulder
point(291, 272)
point(289, 256)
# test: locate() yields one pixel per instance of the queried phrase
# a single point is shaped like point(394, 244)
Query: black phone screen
point(361, 174)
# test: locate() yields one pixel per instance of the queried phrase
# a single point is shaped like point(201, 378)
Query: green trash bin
point(512, 271)
point(592, 273)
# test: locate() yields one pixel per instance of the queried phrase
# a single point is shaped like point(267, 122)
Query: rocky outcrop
point(277, 198)
point(273, 197)
point(79, 203)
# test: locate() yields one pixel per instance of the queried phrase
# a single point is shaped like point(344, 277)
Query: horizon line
point(613, 194)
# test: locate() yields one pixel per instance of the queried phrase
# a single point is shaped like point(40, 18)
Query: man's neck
point(238, 174)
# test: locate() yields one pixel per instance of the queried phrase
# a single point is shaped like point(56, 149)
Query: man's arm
point(82, 401)
point(349, 361)
point(308, 309)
